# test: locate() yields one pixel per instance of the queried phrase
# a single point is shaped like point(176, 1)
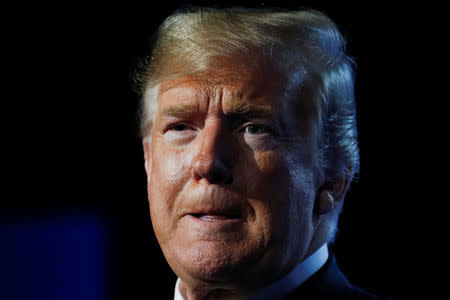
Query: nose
point(212, 162)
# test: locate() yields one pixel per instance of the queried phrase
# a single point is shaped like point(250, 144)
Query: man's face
point(230, 178)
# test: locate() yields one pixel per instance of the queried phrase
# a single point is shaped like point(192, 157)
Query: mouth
point(217, 215)
point(212, 222)
point(214, 217)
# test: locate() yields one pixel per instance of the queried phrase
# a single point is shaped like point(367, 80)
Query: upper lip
point(214, 201)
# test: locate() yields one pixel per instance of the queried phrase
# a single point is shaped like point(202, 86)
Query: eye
point(179, 133)
point(179, 127)
point(254, 129)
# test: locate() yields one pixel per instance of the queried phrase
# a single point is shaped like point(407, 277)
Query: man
point(250, 142)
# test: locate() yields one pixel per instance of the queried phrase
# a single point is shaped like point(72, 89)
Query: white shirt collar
point(177, 291)
point(288, 283)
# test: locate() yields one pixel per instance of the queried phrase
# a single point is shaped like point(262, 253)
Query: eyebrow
point(181, 110)
point(251, 111)
point(239, 110)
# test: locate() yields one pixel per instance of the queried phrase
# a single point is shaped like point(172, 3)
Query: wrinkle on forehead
point(197, 97)
point(231, 86)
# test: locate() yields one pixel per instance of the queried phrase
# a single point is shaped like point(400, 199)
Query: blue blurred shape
point(53, 258)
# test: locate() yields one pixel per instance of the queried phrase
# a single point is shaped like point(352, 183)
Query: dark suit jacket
point(330, 284)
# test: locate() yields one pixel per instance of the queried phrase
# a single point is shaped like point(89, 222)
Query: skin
point(234, 198)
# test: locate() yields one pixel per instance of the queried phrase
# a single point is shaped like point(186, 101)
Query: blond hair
point(299, 43)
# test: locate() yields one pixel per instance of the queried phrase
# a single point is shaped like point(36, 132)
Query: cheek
point(170, 172)
point(281, 189)
point(262, 172)
point(303, 177)
point(302, 191)
point(265, 182)
point(169, 169)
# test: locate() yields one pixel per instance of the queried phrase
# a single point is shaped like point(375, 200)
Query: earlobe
point(325, 202)
point(331, 194)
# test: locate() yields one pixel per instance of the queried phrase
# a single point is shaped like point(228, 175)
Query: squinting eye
point(256, 129)
point(179, 127)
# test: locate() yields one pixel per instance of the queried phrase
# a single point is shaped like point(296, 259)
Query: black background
point(69, 123)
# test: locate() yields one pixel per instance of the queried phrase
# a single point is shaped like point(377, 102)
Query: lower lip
point(214, 220)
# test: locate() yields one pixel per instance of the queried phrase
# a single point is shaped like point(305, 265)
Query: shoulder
point(330, 283)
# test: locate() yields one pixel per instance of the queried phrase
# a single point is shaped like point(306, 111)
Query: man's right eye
point(179, 133)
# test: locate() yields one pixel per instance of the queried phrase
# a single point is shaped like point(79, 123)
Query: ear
point(146, 143)
point(331, 194)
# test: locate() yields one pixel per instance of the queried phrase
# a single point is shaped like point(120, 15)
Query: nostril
point(221, 176)
point(213, 170)
point(213, 161)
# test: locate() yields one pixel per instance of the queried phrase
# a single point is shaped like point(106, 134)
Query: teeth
point(212, 217)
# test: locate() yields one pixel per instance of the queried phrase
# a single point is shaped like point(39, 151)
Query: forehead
point(233, 86)
point(225, 86)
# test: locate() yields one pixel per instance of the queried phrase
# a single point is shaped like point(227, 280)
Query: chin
point(211, 261)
